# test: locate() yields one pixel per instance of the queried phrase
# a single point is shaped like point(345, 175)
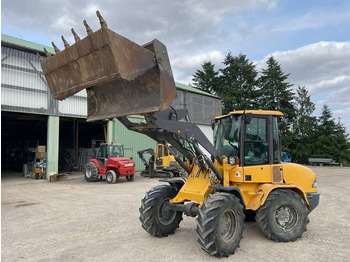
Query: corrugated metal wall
point(24, 88)
point(133, 140)
point(201, 109)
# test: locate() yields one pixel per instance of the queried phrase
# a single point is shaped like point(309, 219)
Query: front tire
point(155, 218)
point(284, 216)
point(111, 177)
point(220, 224)
point(91, 172)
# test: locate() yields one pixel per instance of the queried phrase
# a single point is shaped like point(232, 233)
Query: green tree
point(207, 78)
point(237, 83)
point(304, 127)
point(332, 141)
point(276, 94)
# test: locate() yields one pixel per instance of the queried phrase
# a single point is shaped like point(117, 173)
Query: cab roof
point(254, 112)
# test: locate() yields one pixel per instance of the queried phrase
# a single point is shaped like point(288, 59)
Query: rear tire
point(111, 177)
point(220, 224)
point(157, 220)
point(130, 177)
point(284, 216)
point(91, 172)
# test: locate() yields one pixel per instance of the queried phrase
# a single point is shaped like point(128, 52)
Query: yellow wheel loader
point(244, 172)
point(162, 162)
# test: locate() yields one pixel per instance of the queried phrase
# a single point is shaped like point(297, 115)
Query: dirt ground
point(74, 220)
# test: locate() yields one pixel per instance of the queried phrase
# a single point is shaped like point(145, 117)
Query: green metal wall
point(120, 134)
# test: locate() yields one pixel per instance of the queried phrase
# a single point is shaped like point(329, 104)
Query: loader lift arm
point(165, 126)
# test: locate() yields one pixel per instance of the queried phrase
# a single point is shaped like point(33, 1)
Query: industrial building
point(30, 117)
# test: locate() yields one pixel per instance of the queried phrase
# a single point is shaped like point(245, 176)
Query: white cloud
point(172, 22)
point(185, 64)
point(324, 69)
point(320, 66)
point(62, 23)
point(194, 61)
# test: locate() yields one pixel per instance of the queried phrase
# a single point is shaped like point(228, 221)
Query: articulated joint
point(190, 209)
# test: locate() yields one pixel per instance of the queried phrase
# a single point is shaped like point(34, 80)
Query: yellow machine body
point(253, 182)
point(163, 157)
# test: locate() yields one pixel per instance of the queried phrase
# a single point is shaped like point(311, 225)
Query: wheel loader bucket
point(121, 77)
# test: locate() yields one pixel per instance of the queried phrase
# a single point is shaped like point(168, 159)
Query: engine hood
point(299, 175)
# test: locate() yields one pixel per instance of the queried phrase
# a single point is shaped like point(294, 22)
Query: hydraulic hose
point(208, 161)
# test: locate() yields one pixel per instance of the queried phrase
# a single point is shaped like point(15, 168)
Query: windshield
point(226, 135)
point(116, 150)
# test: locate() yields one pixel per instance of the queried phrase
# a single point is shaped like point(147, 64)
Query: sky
point(309, 39)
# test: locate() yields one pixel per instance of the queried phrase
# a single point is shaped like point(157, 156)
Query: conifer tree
point(332, 141)
point(207, 78)
point(276, 94)
point(237, 83)
point(304, 127)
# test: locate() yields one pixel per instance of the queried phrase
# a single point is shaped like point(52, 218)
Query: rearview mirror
point(247, 118)
point(213, 124)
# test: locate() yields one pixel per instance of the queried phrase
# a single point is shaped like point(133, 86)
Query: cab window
point(255, 142)
point(116, 151)
point(102, 151)
point(277, 154)
point(226, 136)
point(160, 151)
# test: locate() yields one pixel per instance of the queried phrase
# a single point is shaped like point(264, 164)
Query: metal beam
point(53, 127)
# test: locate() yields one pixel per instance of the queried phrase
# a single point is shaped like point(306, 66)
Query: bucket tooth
point(40, 57)
point(76, 37)
point(47, 53)
point(66, 45)
point(55, 47)
point(88, 29)
point(102, 21)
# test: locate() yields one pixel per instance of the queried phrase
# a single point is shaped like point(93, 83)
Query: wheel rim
point(88, 172)
point(227, 225)
point(286, 217)
point(109, 177)
point(166, 216)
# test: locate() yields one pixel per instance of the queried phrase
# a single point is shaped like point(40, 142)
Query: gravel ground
point(74, 220)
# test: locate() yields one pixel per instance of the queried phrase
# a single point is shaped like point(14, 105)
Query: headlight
point(231, 160)
point(314, 184)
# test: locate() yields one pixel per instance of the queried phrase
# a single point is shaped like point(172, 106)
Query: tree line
point(304, 135)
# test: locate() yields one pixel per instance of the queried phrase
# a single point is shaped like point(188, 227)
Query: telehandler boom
point(244, 173)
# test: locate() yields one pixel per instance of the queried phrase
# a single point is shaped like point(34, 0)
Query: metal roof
point(17, 42)
point(194, 90)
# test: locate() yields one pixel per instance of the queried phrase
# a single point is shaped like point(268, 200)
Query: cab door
point(276, 152)
point(261, 152)
point(255, 153)
point(159, 155)
point(102, 154)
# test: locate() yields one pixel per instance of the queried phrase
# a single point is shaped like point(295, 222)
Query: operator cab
point(252, 136)
point(109, 150)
